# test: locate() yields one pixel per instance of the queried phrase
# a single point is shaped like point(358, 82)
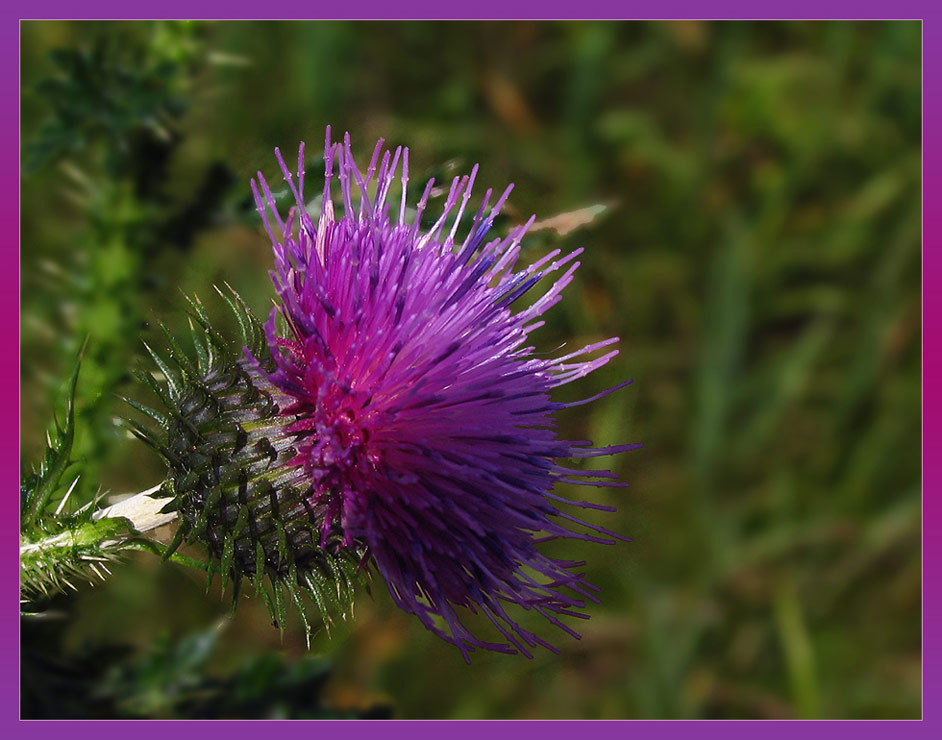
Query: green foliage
point(175, 679)
point(110, 121)
point(112, 91)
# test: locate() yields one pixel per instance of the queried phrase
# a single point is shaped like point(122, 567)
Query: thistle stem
point(83, 549)
point(142, 511)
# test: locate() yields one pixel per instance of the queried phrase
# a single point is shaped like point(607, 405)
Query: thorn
point(65, 497)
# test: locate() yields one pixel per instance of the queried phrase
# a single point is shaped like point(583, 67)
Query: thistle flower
point(420, 420)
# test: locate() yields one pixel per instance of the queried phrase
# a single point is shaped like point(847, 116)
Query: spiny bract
point(228, 447)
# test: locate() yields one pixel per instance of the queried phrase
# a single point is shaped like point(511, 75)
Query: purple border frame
point(495, 9)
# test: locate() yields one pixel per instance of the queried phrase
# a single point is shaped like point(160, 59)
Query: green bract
point(224, 436)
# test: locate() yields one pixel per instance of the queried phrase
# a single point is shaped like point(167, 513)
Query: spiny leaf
point(40, 486)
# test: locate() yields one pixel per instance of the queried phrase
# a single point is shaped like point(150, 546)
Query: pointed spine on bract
point(227, 446)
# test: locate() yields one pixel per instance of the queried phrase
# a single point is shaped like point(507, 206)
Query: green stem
point(82, 547)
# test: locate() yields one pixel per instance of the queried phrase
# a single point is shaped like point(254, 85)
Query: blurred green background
point(758, 255)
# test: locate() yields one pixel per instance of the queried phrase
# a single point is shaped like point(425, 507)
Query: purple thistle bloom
point(424, 420)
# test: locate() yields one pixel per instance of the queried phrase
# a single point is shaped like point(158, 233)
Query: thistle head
point(421, 418)
point(391, 412)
